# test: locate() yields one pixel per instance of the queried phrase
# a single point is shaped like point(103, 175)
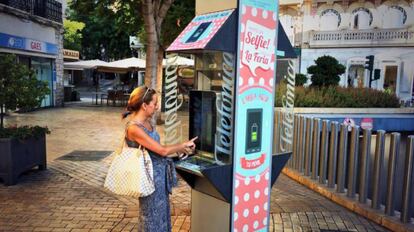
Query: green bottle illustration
point(253, 132)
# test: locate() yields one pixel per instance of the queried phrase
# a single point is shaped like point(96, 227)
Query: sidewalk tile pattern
point(69, 195)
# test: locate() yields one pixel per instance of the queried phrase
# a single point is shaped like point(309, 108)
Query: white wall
point(389, 14)
point(25, 28)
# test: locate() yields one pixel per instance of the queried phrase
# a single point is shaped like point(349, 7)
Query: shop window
point(356, 76)
point(24, 60)
point(43, 71)
point(390, 78)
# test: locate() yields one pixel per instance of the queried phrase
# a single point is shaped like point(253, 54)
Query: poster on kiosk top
point(254, 114)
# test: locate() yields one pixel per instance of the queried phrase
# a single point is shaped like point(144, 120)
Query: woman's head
point(142, 98)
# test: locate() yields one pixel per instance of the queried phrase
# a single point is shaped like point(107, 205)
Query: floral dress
point(154, 210)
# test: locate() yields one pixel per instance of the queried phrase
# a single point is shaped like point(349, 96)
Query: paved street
point(69, 195)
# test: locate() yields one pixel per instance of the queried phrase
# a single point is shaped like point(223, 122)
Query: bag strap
point(123, 140)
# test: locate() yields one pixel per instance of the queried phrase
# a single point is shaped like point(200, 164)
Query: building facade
point(33, 31)
point(352, 30)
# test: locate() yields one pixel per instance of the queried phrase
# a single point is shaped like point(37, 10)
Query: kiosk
point(231, 112)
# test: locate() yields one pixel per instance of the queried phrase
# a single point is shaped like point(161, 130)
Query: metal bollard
point(276, 132)
point(302, 126)
point(364, 166)
point(333, 153)
point(392, 165)
point(324, 152)
point(308, 145)
point(295, 141)
point(281, 118)
point(343, 151)
point(353, 161)
point(378, 166)
point(315, 147)
point(408, 179)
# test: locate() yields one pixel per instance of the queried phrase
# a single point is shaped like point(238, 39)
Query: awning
point(181, 61)
point(83, 64)
point(123, 66)
point(120, 66)
point(217, 32)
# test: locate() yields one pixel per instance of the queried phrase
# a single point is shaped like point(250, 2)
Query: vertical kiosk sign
point(254, 114)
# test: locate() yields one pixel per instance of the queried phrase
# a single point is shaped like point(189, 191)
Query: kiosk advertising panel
point(254, 115)
point(200, 31)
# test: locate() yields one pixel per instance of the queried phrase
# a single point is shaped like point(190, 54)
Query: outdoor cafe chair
point(110, 96)
point(119, 96)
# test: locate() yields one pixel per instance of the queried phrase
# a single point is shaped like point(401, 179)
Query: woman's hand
point(189, 146)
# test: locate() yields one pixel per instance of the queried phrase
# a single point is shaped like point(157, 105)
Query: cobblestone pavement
point(69, 195)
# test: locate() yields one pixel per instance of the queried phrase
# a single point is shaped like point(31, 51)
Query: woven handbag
point(131, 173)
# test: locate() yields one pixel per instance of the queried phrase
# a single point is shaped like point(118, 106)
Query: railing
point(48, 9)
point(349, 38)
point(342, 158)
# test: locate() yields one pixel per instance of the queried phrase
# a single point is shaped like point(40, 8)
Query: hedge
point(339, 97)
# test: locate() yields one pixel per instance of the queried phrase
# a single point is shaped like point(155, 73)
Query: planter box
point(18, 156)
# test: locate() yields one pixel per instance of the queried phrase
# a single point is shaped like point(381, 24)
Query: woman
point(154, 214)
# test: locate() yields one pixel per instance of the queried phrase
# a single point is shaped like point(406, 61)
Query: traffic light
point(369, 62)
point(377, 74)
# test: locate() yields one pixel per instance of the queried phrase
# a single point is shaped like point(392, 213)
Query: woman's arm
point(138, 135)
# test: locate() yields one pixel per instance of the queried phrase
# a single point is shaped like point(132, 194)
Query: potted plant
point(24, 147)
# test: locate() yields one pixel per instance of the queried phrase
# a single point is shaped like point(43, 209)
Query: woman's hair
point(140, 95)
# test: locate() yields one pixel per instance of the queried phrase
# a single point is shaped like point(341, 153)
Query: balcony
point(48, 9)
point(362, 38)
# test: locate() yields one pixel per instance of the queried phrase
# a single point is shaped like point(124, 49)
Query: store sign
point(257, 41)
point(70, 54)
point(16, 42)
point(200, 31)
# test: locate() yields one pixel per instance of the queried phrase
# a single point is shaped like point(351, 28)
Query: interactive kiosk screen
point(203, 120)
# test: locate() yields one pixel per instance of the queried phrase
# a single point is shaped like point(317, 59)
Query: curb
point(391, 223)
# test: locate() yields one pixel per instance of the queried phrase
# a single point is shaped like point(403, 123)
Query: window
point(362, 19)
point(390, 78)
point(330, 20)
point(394, 17)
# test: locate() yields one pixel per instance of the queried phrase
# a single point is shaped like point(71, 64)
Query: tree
point(300, 79)
point(108, 25)
point(326, 71)
point(19, 88)
point(72, 38)
point(154, 13)
point(160, 29)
